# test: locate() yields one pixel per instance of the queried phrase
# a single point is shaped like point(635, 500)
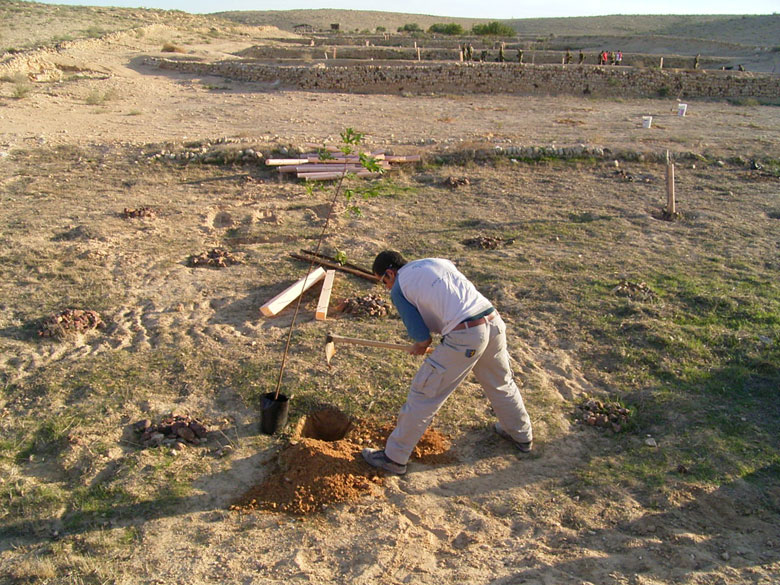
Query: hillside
point(348, 20)
point(29, 24)
point(763, 30)
point(747, 30)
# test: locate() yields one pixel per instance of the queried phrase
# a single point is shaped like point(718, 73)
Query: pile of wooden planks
point(283, 299)
point(292, 292)
point(313, 167)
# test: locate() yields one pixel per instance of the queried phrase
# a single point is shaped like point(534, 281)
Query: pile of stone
point(175, 431)
point(146, 212)
point(486, 242)
point(224, 151)
point(607, 415)
point(455, 182)
point(634, 290)
point(218, 257)
point(371, 305)
point(70, 322)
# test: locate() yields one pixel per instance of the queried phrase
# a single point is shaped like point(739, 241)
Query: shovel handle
point(372, 343)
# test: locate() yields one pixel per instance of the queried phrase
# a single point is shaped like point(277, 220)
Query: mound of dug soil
point(216, 257)
point(371, 305)
point(70, 322)
point(323, 465)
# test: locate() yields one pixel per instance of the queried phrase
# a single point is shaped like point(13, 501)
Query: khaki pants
point(481, 349)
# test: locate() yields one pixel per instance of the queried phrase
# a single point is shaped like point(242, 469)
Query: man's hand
point(420, 347)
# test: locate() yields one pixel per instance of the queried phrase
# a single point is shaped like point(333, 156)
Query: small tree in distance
point(446, 29)
point(494, 28)
point(412, 27)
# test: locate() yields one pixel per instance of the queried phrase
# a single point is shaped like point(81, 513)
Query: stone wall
point(451, 54)
point(512, 78)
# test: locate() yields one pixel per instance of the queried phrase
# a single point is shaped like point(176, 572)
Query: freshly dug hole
point(322, 465)
point(328, 424)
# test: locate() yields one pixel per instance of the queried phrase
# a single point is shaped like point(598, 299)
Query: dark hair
point(386, 260)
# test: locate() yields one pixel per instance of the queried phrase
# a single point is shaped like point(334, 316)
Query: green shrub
point(413, 27)
point(494, 28)
point(744, 101)
point(94, 32)
point(22, 89)
point(96, 98)
point(446, 29)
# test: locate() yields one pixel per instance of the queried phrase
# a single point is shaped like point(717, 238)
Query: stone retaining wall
point(512, 78)
point(452, 55)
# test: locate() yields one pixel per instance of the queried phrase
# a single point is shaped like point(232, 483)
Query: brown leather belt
point(475, 322)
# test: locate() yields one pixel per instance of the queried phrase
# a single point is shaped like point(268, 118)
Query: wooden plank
point(318, 168)
point(336, 266)
point(322, 304)
point(275, 162)
point(292, 292)
point(403, 159)
point(334, 161)
point(332, 259)
point(330, 176)
point(289, 168)
point(321, 168)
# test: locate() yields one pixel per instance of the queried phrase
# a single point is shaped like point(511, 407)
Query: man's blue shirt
point(411, 317)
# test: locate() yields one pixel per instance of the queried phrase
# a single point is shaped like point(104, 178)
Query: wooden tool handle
point(372, 343)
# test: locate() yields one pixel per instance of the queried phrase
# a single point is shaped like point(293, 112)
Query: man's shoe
point(377, 458)
point(522, 447)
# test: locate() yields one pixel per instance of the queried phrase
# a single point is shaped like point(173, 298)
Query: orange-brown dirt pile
point(313, 473)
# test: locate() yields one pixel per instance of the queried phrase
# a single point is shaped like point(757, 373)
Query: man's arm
point(415, 326)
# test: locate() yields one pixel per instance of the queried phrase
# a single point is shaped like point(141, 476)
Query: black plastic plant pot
point(274, 409)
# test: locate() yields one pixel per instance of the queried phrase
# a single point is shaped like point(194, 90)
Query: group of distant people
point(611, 58)
point(604, 57)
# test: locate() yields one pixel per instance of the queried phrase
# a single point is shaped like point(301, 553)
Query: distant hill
point(747, 30)
point(763, 30)
point(30, 24)
point(348, 20)
point(751, 40)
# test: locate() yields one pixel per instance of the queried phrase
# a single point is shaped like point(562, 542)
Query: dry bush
point(171, 48)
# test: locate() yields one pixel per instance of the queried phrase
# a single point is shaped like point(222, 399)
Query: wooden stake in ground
point(288, 295)
point(336, 266)
point(322, 304)
point(671, 205)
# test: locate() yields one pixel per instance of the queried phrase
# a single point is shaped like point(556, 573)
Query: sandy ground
point(146, 104)
point(465, 522)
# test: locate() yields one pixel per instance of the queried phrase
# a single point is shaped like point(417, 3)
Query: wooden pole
point(346, 264)
point(322, 305)
point(336, 266)
point(661, 65)
point(671, 206)
point(292, 292)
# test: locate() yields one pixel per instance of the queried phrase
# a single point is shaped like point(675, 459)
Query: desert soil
point(487, 516)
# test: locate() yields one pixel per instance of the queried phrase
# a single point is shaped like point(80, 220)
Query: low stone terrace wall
point(511, 78)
